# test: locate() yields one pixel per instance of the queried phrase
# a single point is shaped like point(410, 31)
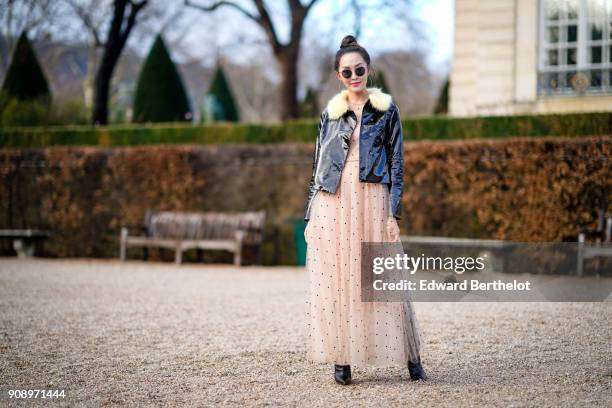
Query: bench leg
point(178, 255)
point(25, 248)
point(238, 256)
point(581, 239)
point(123, 244)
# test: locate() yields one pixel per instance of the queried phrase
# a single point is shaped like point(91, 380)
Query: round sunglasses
point(346, 73)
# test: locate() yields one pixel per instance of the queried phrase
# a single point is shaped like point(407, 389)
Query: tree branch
point(135, 7)
point(87, 21)
point(312, 2)
point(222, 3)
point(266, 22)
point(263, 19)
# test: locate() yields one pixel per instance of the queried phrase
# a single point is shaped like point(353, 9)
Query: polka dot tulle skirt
point(342, 329)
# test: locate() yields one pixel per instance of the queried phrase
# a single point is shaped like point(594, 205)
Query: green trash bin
point(299, 225)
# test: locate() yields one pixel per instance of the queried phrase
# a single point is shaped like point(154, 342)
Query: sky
point(440, 15)
point(194, 35)
point(380, 31)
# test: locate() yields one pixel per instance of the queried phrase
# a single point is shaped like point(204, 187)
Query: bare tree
point(118, 32)
point(285, 54)
point(92, 15)
point(95, 15)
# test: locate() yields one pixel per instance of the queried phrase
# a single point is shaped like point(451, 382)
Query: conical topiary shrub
point(221, 95)
point(25, 79)
point(379, 81)
point(211, 109)
point(309, 108)
point(442, 104)
point(160, 95)
point(25, 98)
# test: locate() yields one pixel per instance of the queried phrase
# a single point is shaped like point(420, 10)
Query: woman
point(355, 196)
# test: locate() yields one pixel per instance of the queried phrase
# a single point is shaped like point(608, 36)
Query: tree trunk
point(118, 33)
point(289, 104)
point(102, 90)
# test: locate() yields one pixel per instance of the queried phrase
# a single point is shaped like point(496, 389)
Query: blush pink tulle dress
point(342, 329)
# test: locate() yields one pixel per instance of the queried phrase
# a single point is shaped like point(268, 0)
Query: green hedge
point(302, 130)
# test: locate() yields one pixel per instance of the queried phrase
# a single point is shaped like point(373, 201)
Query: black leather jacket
point(381, 151)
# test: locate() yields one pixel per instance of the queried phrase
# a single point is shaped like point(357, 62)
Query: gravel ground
point(147, 334)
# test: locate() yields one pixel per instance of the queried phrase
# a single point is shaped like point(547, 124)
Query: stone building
point(531, 56)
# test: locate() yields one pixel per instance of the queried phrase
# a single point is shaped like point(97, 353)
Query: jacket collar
point(338, 104)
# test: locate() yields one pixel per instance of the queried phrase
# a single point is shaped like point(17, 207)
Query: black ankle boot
point(342, 374)
point(416, 371)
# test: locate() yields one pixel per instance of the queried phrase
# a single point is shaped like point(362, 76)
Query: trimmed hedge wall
point(521, 189)
point(303, 130)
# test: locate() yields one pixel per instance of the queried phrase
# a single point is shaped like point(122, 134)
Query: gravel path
point(146, 334)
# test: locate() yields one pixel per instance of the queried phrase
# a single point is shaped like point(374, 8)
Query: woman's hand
point(393, 231)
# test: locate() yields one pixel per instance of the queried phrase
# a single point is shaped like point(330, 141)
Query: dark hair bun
point(349, 41)
point(350, 44)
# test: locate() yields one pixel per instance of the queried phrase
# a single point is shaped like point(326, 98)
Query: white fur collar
point(338, 104)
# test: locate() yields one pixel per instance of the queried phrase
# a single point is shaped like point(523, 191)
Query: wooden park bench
point(600, 238)
point(26, 242)
point(182, 231)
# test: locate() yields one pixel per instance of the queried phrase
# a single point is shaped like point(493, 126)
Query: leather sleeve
point(396, 162)
point(315, 161)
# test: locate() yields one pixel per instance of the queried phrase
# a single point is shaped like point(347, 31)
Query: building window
point(575, 52)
